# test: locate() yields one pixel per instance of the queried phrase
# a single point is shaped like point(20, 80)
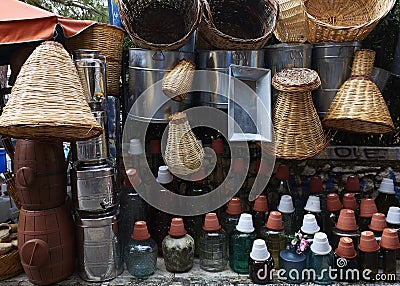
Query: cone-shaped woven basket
point(298, 129)
point(183, 153)
point(47, 101)
point(358, 106)
point(177, 83)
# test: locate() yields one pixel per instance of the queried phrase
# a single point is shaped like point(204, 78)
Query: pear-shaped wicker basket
point(177, 83)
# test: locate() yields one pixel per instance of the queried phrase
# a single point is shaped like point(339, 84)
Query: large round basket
point(108, 40)
point(10, 265)
point(160, 24)
point(343, 20)
point(238, 24)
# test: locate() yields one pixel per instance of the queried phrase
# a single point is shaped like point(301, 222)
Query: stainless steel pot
point(94, 188)
point(219, 62)
point(91, 67)
point(145, 69)
point(333, 63)
point(99, 247)
point(96, 149)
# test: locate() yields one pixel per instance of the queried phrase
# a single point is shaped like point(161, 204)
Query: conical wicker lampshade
point(47, 101)
point(183, 153)
point(298, 129)
point(358, 106)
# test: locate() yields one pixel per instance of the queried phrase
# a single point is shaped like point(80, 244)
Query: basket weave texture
point(238, 24)
point(183, 153)
point(160, 24)
point(298, 129)
point(108, 40)
point(10, 263)
point(292, 24)
point(47, 101)
point(343, 20)
point(358, 106)
point(177, 83)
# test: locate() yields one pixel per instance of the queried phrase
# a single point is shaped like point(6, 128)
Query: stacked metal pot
point(93, 182)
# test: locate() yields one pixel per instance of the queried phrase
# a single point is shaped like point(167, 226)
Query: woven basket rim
point(327, 123)
point(312, 84)
point(98, 24)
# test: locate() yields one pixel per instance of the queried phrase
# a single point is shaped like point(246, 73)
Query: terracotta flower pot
point(347, 221)
point(346, 248)
point(349, 201)
point(282, 173)
point(177, 228)
point(316, 186)
point(234, 207)
point(378, 222)
point(367, 208)
point(368, 242)
point(211, 222)
point(218, 146)
point(333, 203)
point(261, 204)
point(140, 231)
point(390, 239)
point(352, 184)
point(274, 221)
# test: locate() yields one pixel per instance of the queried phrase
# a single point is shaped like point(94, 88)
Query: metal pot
point(145, 69)
point(99, 247)
point(96, 149)
point(94, 188)
point(91, 67)
point(219, 62)
point(333, 63)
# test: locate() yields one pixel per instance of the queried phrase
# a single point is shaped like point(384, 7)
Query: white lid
point(320, 245)
point(245, 223)
point(164, 176)
point(387, 186)
point(135, 147)
point(259, 251)
point(393, 215)
point(313, 204)
point(310, 225)
point(286, 204)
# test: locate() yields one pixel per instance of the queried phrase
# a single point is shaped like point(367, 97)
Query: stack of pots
point(45, 230)
point(93, 181)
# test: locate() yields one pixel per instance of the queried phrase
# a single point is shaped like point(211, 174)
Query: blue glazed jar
point(293, 265)
point(140, 254)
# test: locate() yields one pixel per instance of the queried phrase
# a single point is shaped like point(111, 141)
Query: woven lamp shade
point(298, 129)
point(292, 24)
point(183, 153)
point(47, 101)
point(358, 106)
point(177, 83)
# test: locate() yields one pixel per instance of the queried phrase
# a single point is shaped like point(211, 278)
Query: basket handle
point(207, 12)
point(158, 56)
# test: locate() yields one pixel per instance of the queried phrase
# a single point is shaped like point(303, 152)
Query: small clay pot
point(349, 201)
point(333, 203)
point(234, 207)
point(378, 222)
point(155, 146)
point(368, 242)
point(367, 208)
point(390, 239)
point(177, 228)
point(211, 222)
point(260, 204)
point(352, 184)
point(316, 186)
point(132, 177)
point(238, 166)
point(347, 221)
point(346, 248)
point(218, 146)
point(274, 221)
point(282, 173)
point(140, 231)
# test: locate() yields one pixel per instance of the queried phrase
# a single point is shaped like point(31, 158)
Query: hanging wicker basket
point(297, 127)
point(292, 24)
point(238, 24)
point(358, 106)
point(108, 40)
point(177, 83)
point(343, 20)
point(160, 24)
point(47, 101)
point(183, 153)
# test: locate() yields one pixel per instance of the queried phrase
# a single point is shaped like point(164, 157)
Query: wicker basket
point(343, 20)
point(160, 24)
point(183, 153)
point(358, 106)
point(177, 83)
point(108, 40)
point(298, 129)
point(292, 24)
point(10, 265)
point(238, 24)
point(47, 101)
